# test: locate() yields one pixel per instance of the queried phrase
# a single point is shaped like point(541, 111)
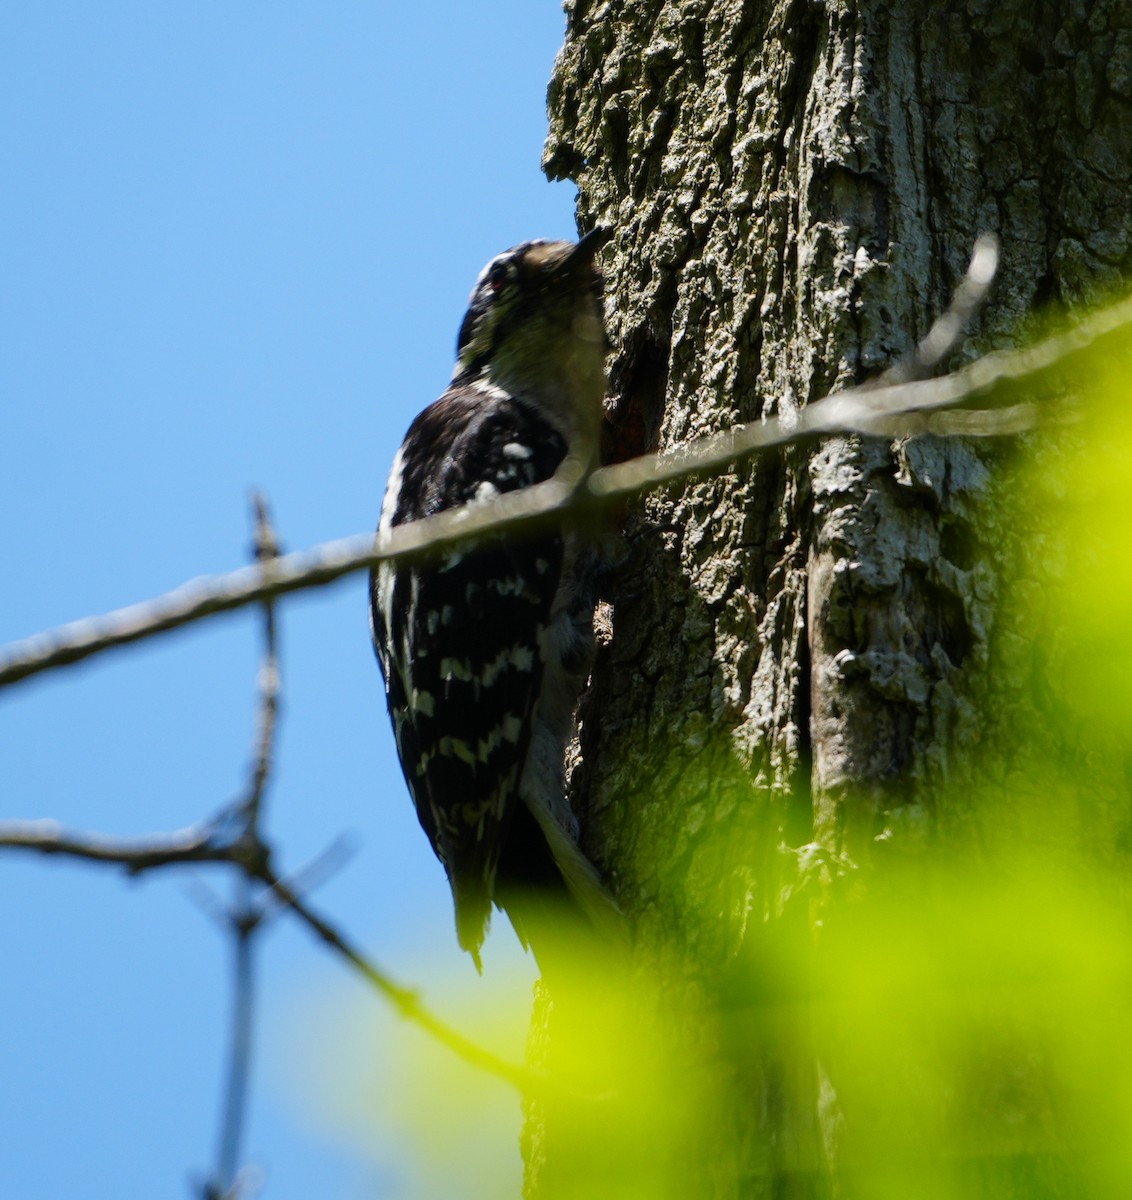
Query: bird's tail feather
point(554, 896)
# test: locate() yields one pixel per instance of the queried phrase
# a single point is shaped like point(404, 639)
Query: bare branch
point(979, 422)
point(324, 564)
point(266, 552)
point(945, 333)
point(246, 914)
point(868, 410)
point(406, 1001)
point(861, 410)
point(225, 1180)
point(194, 844)
point(200, 844)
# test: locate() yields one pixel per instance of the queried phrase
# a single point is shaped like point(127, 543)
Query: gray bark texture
point(803, 658)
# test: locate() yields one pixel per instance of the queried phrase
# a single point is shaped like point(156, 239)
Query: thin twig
point(209, 902)
point(312, 875)
point(945, 333)
point(865, 410)
point(266, 553)
point(245, 916)
point(406, 1001)
point(224, 1184)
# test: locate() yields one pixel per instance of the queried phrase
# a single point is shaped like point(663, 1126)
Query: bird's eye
point(497, 277)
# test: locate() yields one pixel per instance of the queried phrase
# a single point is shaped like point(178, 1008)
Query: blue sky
point(236, 241)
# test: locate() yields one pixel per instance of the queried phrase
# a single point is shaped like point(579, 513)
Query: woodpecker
point(486, 649)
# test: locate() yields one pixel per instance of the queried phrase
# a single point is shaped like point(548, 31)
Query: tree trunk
point(799, 657)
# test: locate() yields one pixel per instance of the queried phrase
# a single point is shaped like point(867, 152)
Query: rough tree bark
point(800, 658)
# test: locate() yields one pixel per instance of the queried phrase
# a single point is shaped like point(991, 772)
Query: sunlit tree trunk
point(801, 656)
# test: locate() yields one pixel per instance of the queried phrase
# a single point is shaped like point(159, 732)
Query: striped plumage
point(485, 651)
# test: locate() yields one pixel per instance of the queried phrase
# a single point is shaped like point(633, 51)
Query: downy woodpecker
point(486, 649)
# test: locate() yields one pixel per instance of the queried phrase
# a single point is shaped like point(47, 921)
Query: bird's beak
point(586, 248)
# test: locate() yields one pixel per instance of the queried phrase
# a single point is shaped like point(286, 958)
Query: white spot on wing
point(452, 747)
point(508, 730)
point(514, 586)
point(455, 668)
point(447, 747)
point(522, 658)
point(456, 748)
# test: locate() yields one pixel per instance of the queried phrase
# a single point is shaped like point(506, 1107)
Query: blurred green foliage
point(1084, 501)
